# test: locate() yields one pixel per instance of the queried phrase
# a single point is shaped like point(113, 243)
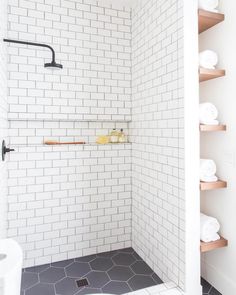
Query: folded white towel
point(213, 178)
point(208, 59)
point(210, 5)
point(209, 227)
point(208, 114)
point(207, 169)
point(211, 238)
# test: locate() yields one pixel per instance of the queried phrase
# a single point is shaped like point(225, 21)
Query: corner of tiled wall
point(157, 137)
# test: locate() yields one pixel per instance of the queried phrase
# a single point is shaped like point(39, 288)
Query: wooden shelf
point(206, 186)
point(205, 247)
point(208, 19)
point(208, 74)
point(211, 128)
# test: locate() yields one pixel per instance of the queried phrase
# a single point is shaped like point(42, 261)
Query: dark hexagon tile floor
point(114, 272)
point(207, 289)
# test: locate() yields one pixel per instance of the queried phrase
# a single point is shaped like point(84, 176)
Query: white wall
point(69, 201)
point(3, 118)
point(157, 135)
point(219, 266)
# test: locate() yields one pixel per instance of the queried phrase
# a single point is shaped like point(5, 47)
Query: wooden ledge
point(206, 186)
point(208, 19)
point(205, 247)
point(208, 74)
point(211, 128)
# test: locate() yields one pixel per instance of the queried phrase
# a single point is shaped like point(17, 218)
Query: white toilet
point(11, 258)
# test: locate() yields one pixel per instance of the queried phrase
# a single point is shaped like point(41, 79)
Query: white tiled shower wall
point(157, 137)
point(73, 201)
point(69, 201)
point(3, 117)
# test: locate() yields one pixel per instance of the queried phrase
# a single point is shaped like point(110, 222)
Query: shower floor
point(207, 289)
point(115, 272)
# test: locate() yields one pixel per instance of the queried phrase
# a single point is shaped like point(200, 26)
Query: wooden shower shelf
point(211, 128)
point(208, 19)
point(206, 186)
point(205, 247)
point(208, 74)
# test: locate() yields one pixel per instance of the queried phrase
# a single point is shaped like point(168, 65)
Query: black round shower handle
point(5, 150)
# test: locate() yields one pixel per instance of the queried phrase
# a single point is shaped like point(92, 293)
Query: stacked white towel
point(208, 170)
point(208, 114)
point(209, 228)
point(208, 59)
point(210, 5)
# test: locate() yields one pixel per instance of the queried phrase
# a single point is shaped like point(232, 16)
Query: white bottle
point(114, 136)
point(122, 136)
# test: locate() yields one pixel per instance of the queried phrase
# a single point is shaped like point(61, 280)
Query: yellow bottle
point(102, 139)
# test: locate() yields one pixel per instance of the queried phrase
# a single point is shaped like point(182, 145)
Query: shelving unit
point(205, 247)
point(207, 186)
point(212, 128)
point(207, 19)
point(209, 74)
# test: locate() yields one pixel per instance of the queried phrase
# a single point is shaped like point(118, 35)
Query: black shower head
point(53, 66)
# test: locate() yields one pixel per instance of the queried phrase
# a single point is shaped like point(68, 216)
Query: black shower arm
point(33, 44)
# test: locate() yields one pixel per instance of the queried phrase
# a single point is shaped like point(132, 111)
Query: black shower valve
point(5, 150)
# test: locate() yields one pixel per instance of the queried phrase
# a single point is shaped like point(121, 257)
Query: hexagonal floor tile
point(86, 258)
point(123, 259)
point(39, 289)
point(120, 273)
point(97, 279)
point(102, 264)
point(85, 291)
point(67, 286)
point(116, 288)
point(37, 269)
point(205, 286)
point(127, 250)
point(141, 268)
point(52, 275)
point(28, 279)
point(77, 269)
point(63, 263)
point(139, 282)
point(109, 254)
point(136, 256)
point(157, 279)
point(214, 292)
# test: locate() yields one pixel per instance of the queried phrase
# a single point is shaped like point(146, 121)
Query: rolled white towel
point(213, 178)
point(209, 227)
point(207, 168)
point(208, 59)
point(210, 5)
point(208, 114)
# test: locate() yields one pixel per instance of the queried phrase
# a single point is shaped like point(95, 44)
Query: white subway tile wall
point(3, 118)
point(73, 201)
point(69, 201)
point(157, 137)
point(93, 42)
